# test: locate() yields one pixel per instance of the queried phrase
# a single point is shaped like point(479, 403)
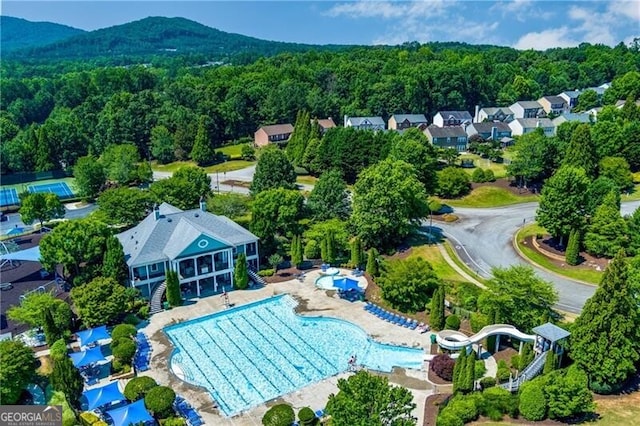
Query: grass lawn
point(489, 196)
point(499, 170)
point(227, 166)
point(431, 254)
point(233, 151)
point(587, 275)
point(306, 180)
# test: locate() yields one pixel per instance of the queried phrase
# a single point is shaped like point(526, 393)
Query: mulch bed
point(432, 407)
point(434, 378)
point(285, 275)
point(505, 354)
point(547, 243)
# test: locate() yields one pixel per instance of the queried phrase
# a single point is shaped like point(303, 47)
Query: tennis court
point(9, 197)
point(61, 189)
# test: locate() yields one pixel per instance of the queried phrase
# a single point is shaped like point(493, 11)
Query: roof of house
point(528, 104)
point(165, 238)
point(358, 121)
point(620, 103)
point(458, 115)
point(486, 127)
point(583, 117)
point(495, 110)
point(527, 123)
point(412, 118)
point(571, 93)
point(551, 332)
point(277, 129)
point(554, 99)
point(326, 123)
point(446, 132)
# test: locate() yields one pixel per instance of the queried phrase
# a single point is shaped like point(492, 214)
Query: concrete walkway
point(312, 302)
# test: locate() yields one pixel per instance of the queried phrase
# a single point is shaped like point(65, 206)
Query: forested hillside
point(21, 34)
point(153, 37)
point(48, 122)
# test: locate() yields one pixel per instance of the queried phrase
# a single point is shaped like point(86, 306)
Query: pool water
point(257, 352)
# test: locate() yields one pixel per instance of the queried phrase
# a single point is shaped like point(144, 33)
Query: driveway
point(483, 239)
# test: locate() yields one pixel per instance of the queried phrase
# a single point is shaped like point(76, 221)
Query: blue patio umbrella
point(102, 396)
point(130, 414)
point(346, 284)
point(84, 358)
point(15, 231)
point(92, 335)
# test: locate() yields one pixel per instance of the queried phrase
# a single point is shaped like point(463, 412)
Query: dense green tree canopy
point(607, 232)
point(273, 171)
point(517, 296)
point(329, 197)
point(184, 189)
point(276, 212)
point(17, 367)
point(413, 147)
point(617, 169)
point(32, 308)
point(408, 284)
point(90, 176)
point(100, 301)
point(365, 399)
point(40, 206)
point(453, 182)
point(388, 203)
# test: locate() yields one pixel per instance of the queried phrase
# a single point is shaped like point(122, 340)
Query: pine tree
point(581, 151)
point(114, 264)
point(240, 273)
point(605, 339)
point(572, 254)
point(549, 363)
point(174, 297)
point(436, 316)
point(51, 331)
point(296, 250)
point(331, 247)
point(299, 138)
point(372, 262)
point(203, 152)
point(356, 252)
point(67, 379)
point(470, 372)
point(527, 355)
point(459, 371)
point(323, 250)
point(608, 231)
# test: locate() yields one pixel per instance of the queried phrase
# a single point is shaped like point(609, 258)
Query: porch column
point(149, 289)
point(147, 269)
point(198, 287)
point(215, 283)
point(521, 346)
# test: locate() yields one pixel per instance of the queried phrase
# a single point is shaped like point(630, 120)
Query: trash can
point(165, 305)
point(433, 339)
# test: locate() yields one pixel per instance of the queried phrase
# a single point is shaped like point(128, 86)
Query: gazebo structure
point(100, 397)
point(547, 336)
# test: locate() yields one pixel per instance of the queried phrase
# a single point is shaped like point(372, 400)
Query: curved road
point(483, 239)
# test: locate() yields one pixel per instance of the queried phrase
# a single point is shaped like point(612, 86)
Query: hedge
point(159, 401)
point(138, 387)
point(123, 349)
point(279, 415)
point(123, 330)
point(533, 404)
point(452, 322)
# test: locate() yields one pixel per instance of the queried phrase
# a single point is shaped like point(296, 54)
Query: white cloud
point(555, 37)
point(390, 10)
point(522, 10)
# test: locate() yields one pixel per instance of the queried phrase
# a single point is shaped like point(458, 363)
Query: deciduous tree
point(273, 171)
point(40, 206)
point(329, 198)
point(275, 212)
point(32, 309)
point(184, 189)
point(100, 301)
point(617, 169)
point(408, 284)
point(124, 206)
point(567, 393)
point(453, 182)
point(90, 176)
point(608, 232)
point(162, 147)
point(17, 367)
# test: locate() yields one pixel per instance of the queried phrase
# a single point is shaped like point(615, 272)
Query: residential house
point(582, 117)
point(527, 109)
point(364, 123)
point(276, 133)
point(599, 90)
point(494, 131)
point(570, 97)
point(451, 118)
point(325, 124)
point(620, 103)
point(199, 246)
point(405, 121)
point(555, 105)
point(447, 137)
point(522, 126)
point(493, 114)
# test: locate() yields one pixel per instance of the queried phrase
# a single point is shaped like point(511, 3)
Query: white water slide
point(455, 340)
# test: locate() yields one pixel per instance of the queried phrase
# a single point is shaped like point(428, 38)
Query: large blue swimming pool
point(254, 353)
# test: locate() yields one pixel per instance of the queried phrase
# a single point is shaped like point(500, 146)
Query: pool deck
point(312, 302)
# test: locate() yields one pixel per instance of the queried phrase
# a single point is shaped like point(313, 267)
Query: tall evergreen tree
point(605, 339)
point(572, 254)
point(356, 252)
point(549, 363)
point(436, 316)
point(67, 379)
point(633, 223)
point(469, 372)
point(51, 330)
point(608, 231)
point(296, 250)
point(203, 152)
point(174, 297)
point(331, 247)
point(372, 262)
point(241, 274)
point(299, 138)
point(459, 371)
point(581, 151)
point(114, 264)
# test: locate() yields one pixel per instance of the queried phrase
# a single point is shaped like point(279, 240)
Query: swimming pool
point(254, 353)
point(326, 282)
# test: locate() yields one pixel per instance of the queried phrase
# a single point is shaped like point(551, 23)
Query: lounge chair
point(320, 413)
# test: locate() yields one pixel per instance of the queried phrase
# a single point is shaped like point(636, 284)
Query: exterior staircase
point(156, 298)
point(531, 371)
point(257, 279)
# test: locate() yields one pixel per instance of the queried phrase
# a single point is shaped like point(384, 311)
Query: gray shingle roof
point(495, 110)
point(551, 332)
point(155, 240)
point(570, 93)
point(278, 129)
point(529, 104)
point(582, 117)
point(458, 115)
point(446, 132)
point(413, 118)
point(487, 126)
point(533, 122)
point(554, 99)
point(358, 121)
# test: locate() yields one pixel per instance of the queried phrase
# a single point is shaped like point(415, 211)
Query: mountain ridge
point(18, 33)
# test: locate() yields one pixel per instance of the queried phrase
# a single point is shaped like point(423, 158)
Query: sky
point(523, 24)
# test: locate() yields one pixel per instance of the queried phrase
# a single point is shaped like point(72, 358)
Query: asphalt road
point(483, 239)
